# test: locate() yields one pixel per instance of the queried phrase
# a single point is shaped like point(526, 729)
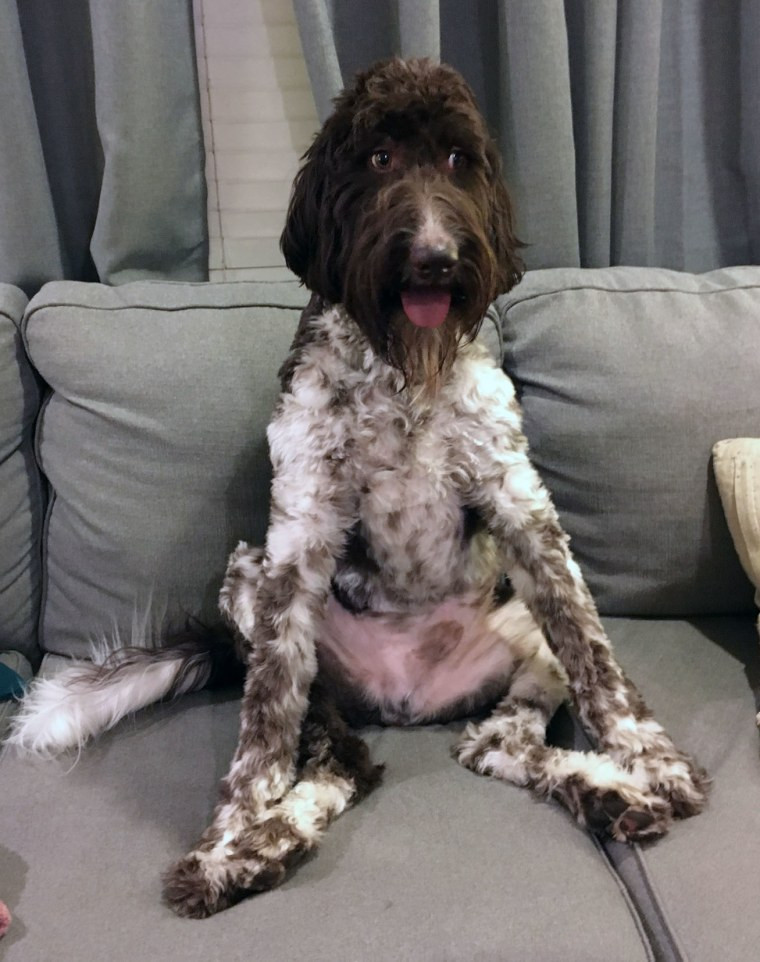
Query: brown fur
point(362, 261)
point(353, 231)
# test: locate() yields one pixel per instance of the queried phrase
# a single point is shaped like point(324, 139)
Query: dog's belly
point(408, 668)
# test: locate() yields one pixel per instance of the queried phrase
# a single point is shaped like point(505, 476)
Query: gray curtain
point(101, 153)
point(630, 129)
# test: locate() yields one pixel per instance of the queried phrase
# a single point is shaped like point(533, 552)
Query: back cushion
point(153, 441)
point(627, 378)
point(20, 485)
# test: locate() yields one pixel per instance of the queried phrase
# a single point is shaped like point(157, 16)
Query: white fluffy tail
point(64, 712)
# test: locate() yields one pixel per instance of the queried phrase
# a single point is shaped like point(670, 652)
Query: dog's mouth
point(426, 306)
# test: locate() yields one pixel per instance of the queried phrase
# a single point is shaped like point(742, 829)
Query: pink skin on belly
point(423, 662)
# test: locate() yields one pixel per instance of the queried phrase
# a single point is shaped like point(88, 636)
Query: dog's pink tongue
point(426, 308)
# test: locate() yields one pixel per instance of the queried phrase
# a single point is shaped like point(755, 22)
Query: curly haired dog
point(402, 493)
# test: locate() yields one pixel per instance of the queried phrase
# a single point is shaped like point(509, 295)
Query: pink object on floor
point(5, 919)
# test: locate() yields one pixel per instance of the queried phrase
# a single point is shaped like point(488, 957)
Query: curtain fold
point(592, 33)
point(103, 177)
point(749, 137)
point(629, 128)
point(419, 29)
point(29, 249)
point(635, 133)
point(535, 131)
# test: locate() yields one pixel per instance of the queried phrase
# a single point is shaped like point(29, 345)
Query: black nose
point(432, 263)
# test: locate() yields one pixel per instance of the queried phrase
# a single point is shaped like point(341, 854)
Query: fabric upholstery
point(21, 505)
point(153, 441)
point(627, 379)
point(699, 886)
point(438, 865)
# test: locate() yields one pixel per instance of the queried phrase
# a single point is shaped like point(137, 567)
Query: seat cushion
point(21, 505)
point(627, 378)
point(699, 887)
point(438, 864)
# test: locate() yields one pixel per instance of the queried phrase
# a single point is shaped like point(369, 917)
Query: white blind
point(258, 118)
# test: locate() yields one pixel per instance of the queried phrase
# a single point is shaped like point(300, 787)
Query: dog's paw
point(622, 812)
point(473, 748)
point(675, 777)
point(645, 749)
point(600, 794)
point(484, 749)
point(201, 884)
point(224, 871)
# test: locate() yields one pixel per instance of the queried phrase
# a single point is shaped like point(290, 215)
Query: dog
point(414, 569)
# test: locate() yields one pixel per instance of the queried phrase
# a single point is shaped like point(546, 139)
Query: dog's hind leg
point(335, 772)
point(511, 744)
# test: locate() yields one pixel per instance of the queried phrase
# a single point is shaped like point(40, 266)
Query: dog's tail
point(65, 711)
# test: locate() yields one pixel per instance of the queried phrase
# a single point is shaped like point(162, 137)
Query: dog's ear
point(504, 243)
point(311, 241)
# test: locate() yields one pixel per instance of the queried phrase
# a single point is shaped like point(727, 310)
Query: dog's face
point(400, 214)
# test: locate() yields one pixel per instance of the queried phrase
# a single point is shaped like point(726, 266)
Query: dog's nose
point(433, 262)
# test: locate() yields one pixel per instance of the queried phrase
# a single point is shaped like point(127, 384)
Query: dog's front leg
point(275, 602)
point(521, 517)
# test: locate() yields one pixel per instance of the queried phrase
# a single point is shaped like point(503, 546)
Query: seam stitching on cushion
point(153, 307)
point(633, 290)
point(9, 317)
point(36, 492)
point(52, 498)
point(40, 494)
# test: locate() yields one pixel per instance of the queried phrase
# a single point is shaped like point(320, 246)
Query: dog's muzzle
point(427, 300)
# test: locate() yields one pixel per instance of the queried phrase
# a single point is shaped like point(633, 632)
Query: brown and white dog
point(402, 494)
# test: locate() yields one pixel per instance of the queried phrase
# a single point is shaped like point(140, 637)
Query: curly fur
point(348, 232)
point(402, 493)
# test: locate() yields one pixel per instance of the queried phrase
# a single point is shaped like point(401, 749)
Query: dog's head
point(400, 213)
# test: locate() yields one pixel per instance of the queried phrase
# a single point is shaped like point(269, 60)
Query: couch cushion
point(438, 864)
point(701, 882)
point(628, 376)
point(20, 486)
point(153, 441)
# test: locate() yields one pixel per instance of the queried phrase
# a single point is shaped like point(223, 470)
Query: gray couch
point(132, 457)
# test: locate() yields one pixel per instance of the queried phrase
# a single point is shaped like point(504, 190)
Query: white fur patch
point(64, 712)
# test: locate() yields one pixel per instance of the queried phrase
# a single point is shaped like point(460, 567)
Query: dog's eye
point(457, 159)
point(381, 160)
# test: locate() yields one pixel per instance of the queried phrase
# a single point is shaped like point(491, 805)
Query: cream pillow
point(737, 471)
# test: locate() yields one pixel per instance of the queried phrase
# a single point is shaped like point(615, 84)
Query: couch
point(133, 457)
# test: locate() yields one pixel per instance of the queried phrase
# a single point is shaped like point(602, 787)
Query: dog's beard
point(423, 355)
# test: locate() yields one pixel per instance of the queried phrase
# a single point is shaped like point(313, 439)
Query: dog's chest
point(410, 506)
